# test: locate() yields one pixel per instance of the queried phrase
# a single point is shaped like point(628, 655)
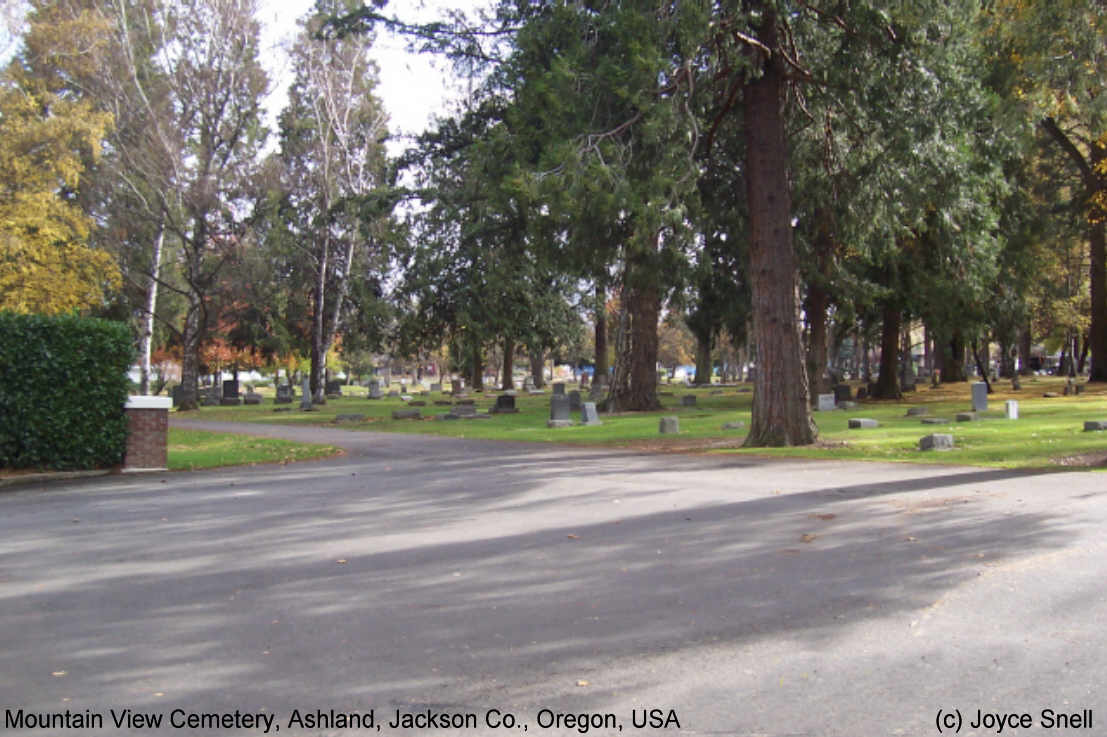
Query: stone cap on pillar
point(147, 402)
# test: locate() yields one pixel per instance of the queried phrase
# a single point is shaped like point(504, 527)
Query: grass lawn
point(194, 449)
point(1049, 432)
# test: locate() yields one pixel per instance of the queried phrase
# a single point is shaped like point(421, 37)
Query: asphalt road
point(735, 596)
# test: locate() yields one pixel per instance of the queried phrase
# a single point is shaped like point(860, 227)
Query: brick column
point(147, 434)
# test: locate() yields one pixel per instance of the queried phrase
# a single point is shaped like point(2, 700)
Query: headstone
point(230, 389)
point(979, 396)
point(349, 418)
point(436, 387)
point(1051, 395)
point(588, 414)
point(1012, 407)
point(857, 423)
point(334, 388)
point(688, 400)
point(505, 405)
point(826, 403)
point(284, 394)
point(443, 403)
point(175, 393)
point(669, 425)
point(455, 387)
point(252, 398)
point(842, 393)
point(406, 414)
point(464, 410)
point(965, 416)
point(574, 401)
point(418, 403)
point(559, 387)
point(917, 411)
point(528, 383)
point(935, 421)
point(736, 425)
point(375, 389)
point(847, 405)
point(1095, 425)
point(559, 410)
point(394, 393)
point(305, 394)
point(937, 441)
point(406, 397)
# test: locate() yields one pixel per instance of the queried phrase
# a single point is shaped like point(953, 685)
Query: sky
point(413, 87)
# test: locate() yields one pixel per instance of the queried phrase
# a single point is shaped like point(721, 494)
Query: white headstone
point(826, 403)
point(1012, 409)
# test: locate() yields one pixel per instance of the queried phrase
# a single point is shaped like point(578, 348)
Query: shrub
point(63, 384)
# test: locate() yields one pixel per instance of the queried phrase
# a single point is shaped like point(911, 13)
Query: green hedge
point(63, 384)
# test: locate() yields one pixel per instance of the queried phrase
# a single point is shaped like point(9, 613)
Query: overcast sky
point(413, 87)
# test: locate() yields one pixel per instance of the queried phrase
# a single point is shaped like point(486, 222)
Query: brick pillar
point(148, 434)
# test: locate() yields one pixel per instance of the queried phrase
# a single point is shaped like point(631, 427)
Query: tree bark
point(1026, 342)
point(538, 367)
point(887, 384)
point(703, 359)
point(508, 381)
point(640, 391)
point(147, 340)
point(477, 378)
point(815, 308)
point(190, 360)
point(602, 365)
point(953, 359)
point(1097, 241)
point(781, 413)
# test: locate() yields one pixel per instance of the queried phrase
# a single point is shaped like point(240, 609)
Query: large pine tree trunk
point(781, 414)
point(602, 365)
point(538, 367)
point(703, 358)
point(887, 385)
point(953, 359)
point(508, 381)
point(640, 391)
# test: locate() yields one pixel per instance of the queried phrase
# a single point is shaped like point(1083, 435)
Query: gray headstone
point(334, 388)
point(175, 393)
point(1095, 425)
point(979, 396)
point(588, 414)
point(559, 387)
point(349, 418)
point(436, 387)
point(857, 423)
point(375, 390)
point(252, 398)
point(406, 414)
point(456, 387)
point(1012, 407)
point(688, 400)
point(574, 401)
point(284, 394)
point(230, 389)
point(965, 416)
point(736, 425)
point(826, 403)
point(842, 393)
point(559, 411)
point(505, 404)
point(917, 411)
point(669, 425)
point(305, 394)
point(937, 441)
point(935, 421)
point(464, 410)
point(394, 393)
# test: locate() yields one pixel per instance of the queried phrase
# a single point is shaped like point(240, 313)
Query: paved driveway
point(429, 577)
